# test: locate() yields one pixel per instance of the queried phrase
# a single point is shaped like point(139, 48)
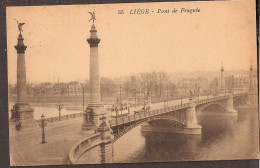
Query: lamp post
point(167, 94)
point(83, 98)
point(120, 99)
point(198, 94)
point(144, 105)
point(135, 95)
point(116, 106)
point(59, 108)
point(42, 124)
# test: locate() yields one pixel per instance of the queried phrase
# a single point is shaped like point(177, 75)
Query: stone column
point(250, 96)
point(251, 77)
point(93, 41)
point(22, 111)
point(222, 82)
point(96, 107)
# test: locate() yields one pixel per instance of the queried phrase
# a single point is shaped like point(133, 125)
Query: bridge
point(182, 113)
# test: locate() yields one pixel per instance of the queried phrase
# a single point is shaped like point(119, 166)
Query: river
point(49, 110)
point(223, 138)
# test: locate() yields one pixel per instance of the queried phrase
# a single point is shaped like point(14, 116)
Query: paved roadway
point(26, 148)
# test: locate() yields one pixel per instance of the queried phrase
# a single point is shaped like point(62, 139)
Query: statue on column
point(93, 17)
point(20, 28)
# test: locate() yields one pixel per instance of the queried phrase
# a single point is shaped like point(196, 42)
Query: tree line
point(155, 84)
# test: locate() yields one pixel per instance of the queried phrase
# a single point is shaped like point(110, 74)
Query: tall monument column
point(22, 111)
point(222, 82)
point(95, 109)
point(251, 97)
point(93, 41)
point(251, 77)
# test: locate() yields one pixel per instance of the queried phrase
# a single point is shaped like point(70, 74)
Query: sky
point(130, 43)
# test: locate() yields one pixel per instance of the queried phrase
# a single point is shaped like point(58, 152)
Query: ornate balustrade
point(83, 146)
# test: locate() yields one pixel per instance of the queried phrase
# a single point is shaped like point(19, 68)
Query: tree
point(107, 86)
point(153, 82)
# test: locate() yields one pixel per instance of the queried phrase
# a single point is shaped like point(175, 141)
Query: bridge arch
point(240, 99)
point(167, 118)
point(121, 130)
point(204, 106)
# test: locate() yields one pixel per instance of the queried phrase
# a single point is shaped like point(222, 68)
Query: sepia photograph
point(132, 82)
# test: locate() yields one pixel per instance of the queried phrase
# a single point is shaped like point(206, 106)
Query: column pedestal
point(91, 117)
point(23, 113)
point(87, 126)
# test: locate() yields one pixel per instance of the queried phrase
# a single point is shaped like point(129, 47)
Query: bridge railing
point(151, 113)
point(211, 99)
point(63, 117)
point(145, 114)
point(83, 146)
point(218, 98)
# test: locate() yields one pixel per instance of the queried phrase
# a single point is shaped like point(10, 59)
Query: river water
point(223, 138)
point(47, 110)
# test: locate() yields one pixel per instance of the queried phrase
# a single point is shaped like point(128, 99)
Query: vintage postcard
point(132, 82)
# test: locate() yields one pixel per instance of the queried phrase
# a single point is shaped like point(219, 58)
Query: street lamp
point(83, 97)
point(198, 94)
point(144, 105)
point(59, 108)
point(120, 99)
point(135, 95)
point(181, 100)
point(42, 124)
point(167, 94)
point(116, 106)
